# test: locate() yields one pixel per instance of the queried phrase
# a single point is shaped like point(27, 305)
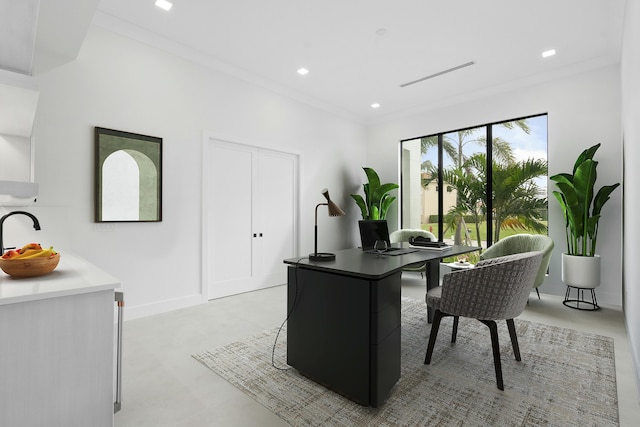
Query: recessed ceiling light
point(548, 53)
point(164, 4)
point(375, 105)
point(303, 71)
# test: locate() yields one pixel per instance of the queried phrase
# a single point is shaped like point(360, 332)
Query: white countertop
point(72, 276)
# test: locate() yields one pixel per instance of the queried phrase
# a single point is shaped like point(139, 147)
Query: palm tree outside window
point(486, 203)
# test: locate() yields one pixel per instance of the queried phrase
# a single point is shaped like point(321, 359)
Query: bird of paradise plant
point(377, 200)
point(582, 211)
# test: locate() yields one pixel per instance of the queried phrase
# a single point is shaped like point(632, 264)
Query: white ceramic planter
point(581, 271)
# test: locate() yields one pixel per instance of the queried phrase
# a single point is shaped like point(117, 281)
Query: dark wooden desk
point(344, 319)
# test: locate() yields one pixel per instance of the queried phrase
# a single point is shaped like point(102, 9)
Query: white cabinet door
point(56, 361)
point(251, 213)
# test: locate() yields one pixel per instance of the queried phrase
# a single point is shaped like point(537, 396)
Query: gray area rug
point(566, 378)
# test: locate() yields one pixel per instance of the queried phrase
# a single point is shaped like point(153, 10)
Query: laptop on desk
point(372, 230)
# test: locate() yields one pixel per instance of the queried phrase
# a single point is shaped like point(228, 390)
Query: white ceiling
point(352, 64)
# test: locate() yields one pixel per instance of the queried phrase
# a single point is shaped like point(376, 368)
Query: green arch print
point(146, 152)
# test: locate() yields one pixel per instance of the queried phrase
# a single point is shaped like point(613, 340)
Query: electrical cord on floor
point(293, 306)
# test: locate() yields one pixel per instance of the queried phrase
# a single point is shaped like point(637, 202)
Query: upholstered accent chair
point(495, 289)
point(403, 235)
point(519, 243)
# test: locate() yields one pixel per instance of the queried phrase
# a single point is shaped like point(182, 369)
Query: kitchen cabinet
point(57, 347)
point(18, 102)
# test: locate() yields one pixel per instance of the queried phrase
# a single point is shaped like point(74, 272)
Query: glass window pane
point(463, 166)
point(520, 177)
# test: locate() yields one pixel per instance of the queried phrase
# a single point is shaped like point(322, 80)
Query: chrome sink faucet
point(36, 225)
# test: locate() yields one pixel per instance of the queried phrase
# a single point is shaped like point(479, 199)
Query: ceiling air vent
point(439, 73)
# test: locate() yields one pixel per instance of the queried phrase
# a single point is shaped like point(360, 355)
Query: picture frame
point(128, 176)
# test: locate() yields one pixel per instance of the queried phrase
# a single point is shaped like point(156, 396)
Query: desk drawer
point(385, 367)
point(384, 323)
point(386, 292)
point(385, 307)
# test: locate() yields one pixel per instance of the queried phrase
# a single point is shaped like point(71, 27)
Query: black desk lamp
point(334, 210)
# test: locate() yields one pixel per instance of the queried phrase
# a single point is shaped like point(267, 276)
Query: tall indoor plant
point(582, 209)
point(377, 199)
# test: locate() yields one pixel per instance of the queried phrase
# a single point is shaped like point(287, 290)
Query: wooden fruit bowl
point(31, 267)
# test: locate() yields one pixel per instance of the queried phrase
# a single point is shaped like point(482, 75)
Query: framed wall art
point(128, 177)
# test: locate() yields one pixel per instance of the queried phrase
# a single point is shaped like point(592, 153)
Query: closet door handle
point(260, 234)
point(255, 235)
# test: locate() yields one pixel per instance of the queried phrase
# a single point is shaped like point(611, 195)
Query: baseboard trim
point(136, 312)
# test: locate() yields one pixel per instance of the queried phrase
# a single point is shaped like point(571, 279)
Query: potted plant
point(376, 201)
point(582, 211)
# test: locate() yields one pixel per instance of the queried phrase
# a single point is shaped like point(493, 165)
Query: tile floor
point(164, 386)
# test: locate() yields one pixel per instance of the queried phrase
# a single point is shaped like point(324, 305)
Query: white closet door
point(252, 218)
point(276, 221)
point(230, 202)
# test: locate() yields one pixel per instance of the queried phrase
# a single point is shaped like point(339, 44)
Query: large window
point(477, 185)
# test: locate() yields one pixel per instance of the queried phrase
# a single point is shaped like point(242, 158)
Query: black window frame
point(489, 156)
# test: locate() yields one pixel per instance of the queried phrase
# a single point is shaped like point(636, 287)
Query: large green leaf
point(585, 155)
point(598, 202)
point(382, 190)
point(361, 204)
point(385, 204)
point(602, 197)
point(562, 177)
point(583, 180)
point(592, 231)
point(573, 215)
point(372, 177)
point(563, 205)
point(568, 224)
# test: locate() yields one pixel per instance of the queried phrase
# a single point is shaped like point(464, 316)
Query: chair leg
point(454, 332)
point(495, 344)
point(514, 338)
point(437, 317)
point(538, 292)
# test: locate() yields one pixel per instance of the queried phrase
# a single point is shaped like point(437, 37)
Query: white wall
point(122, 84)
point(582, 110)
point(631, 130)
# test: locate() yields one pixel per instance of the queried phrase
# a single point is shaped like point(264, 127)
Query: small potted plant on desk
point(374, 206)
point(582, 211)
point(376, 201)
